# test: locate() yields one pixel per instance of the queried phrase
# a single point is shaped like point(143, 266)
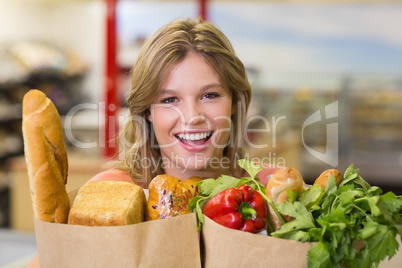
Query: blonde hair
point(165, 49)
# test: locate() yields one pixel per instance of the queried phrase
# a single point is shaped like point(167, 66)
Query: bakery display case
point(25, 66)
point(376, 122)
point(374, 129)
point(368, 121)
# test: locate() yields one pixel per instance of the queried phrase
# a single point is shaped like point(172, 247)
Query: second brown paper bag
point(224, 247)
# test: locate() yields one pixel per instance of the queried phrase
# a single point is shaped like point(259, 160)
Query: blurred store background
point(337, 62)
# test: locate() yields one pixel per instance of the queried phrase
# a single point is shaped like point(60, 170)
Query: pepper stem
point(247, 211)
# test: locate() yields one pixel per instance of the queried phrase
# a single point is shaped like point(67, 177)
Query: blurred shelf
point(369, 125)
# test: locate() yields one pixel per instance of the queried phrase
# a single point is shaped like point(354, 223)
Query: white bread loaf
point(284, 179)
point(108, 203)
point(46, 157)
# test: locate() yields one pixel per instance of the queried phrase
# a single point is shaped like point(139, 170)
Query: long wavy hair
point(159, 55)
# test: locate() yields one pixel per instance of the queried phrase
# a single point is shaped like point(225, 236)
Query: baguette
point(284, 179)
point(46, 157)
point(108, 203)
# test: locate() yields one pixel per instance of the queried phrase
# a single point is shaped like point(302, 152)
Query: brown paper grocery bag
point(172, 242)
point(224, 247)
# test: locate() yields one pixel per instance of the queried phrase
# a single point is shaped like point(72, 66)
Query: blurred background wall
point(326, 77)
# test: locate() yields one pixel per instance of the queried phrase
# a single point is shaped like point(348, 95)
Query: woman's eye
point(169, 100)
point(211, 95)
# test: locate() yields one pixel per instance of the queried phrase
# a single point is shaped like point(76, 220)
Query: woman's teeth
point(193, 136)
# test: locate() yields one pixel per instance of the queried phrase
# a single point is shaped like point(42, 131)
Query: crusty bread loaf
point(108, 203)
point(284, 179)
point(46, 157)
point(169, 196)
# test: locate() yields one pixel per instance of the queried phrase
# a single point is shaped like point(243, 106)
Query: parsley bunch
point(343, 218)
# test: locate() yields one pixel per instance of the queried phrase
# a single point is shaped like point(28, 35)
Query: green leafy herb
point(341, 216)
point(311, 199)
point(303, 219)
point(292, 196)
point(250, 167)
point(212, 187)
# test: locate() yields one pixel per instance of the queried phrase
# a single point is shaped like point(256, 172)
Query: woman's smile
point(194, 140)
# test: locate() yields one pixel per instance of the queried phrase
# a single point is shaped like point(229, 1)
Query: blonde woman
point(188, 102)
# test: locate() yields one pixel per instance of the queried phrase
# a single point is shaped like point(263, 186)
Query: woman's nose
point(193, 114)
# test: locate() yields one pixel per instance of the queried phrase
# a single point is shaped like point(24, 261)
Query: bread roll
point(322, 180)
point(192, 184)
point(284, 179)
point(169, 196)
point(108, 203)
point(46, 157)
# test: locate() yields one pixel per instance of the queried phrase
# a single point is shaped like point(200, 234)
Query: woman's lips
point(194, 141)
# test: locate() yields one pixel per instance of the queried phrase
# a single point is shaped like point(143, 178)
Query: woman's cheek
point(164, 120)
point(222, 134)
point(166, 116)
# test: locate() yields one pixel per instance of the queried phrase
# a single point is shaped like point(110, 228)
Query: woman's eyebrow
point(203, 88)
point(166, 91)
point(213, 85)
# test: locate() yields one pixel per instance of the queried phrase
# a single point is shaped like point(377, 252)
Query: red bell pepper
point(240, 208)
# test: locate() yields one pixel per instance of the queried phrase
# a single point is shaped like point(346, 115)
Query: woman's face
point(191, 117)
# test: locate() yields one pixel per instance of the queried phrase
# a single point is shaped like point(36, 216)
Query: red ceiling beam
point(203, 9)
point(111, 101)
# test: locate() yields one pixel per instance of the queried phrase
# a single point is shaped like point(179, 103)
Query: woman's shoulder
point(112, 175)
